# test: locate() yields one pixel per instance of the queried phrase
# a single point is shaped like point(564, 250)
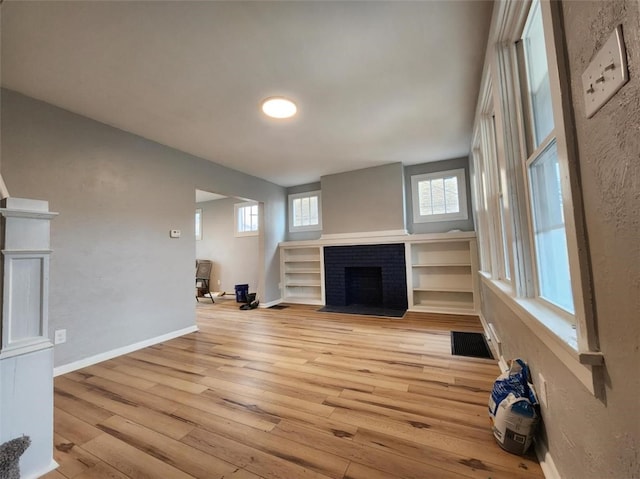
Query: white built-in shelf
point(441, 270)
point(433, 265)
point(301, 273)
point(441, 289)
point(441, 277)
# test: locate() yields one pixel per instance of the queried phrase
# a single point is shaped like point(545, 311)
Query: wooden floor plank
point(131, 461)
point(73, 429)
point(169, 451)
point(287, 394)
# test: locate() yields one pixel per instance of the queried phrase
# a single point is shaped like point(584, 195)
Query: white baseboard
point(546, 461)
point(35, 475)
point(270, 303)
point(91, 360)
point(504, 366)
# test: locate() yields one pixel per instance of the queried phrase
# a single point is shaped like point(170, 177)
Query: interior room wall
point(302, 235)
point(117, 278)
point(371, 199)
point(437, 226)
point(588, 437)
point(235, 258)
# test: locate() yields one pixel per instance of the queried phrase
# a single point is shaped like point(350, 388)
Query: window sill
point(556, 333)
point(246, 233)
point(440, 218)
point(303, 229)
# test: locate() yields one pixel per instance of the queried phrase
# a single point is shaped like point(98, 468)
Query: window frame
point(306, 194)
point(576, 348)
point(490, 189)
point(462, 214)
point(237, 208)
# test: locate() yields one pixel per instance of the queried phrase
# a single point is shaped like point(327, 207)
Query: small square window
point(246, 219)
point(305, 213)
point(439, 196)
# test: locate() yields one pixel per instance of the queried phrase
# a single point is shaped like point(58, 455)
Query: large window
point(532, 253)
point(305, 211)
point(246, 219)
point(439, 196)
point(553, 278)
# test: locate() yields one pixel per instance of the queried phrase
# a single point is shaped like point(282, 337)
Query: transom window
point(439, 196)
point(246, 219)
point(305, 213)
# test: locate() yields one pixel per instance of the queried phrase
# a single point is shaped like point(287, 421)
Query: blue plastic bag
point(513, 408)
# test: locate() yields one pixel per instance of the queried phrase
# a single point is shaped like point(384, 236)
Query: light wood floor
point(286, 394)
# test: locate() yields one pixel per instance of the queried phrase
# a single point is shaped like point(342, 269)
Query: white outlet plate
point(174, 233)
point(606, 73)
point(542, 390)
point(60, 336)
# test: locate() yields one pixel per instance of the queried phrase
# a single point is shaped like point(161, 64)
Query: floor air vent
point(469, 344)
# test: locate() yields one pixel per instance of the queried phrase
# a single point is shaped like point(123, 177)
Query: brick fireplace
point(366, 275)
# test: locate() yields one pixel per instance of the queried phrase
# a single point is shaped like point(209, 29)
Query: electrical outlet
point(542, 390)
point(219, 282)
point(174, 233)
point(60, 336)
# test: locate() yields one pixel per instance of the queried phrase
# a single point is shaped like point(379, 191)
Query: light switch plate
point(174, 233)
point(606, 73)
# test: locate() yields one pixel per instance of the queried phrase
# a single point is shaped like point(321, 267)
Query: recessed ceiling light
point(279, 107)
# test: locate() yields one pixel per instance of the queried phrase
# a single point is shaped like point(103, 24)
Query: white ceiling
point(375, 82)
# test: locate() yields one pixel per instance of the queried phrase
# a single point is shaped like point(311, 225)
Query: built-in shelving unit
point(441, 269)
point(441, 276)
point(302, 274)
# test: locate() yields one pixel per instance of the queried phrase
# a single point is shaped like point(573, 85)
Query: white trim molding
point(35, 475)
point(270, 303)
point(546, 461)
point(581, 364)
point(364, 234)
point(380, 237)
point(98, 358)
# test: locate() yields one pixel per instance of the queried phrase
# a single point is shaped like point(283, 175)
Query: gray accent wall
point(371, 199)
point(438, 226)
point(235, 258)
point(117, 278)
point(588, 437)
point(302, 235)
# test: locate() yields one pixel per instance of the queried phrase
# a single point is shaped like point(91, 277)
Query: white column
point(26, 353)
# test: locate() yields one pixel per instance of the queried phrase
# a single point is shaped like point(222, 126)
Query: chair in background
point(203, 273)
